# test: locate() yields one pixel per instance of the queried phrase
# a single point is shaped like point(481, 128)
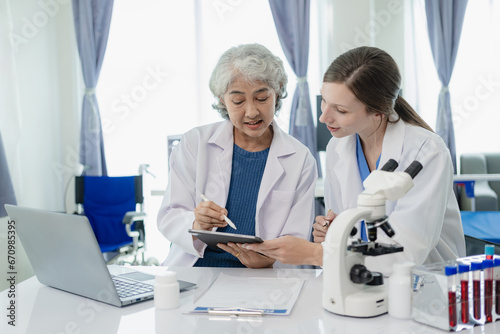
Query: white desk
point(41, 309)
point(320, 183)
point(318, 191)
point(476, 177)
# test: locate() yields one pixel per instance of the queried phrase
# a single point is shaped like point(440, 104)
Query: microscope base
point(369, 302)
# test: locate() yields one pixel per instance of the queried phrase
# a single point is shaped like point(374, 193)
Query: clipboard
point(212, 238)
point(240, 296)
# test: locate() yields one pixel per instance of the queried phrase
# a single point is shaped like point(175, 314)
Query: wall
point(348, 24)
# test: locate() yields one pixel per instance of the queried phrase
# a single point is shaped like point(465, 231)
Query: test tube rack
point(431, 303)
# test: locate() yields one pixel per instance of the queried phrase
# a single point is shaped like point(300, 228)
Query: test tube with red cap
point(463, 273)
point(476, 268)
point(496, 264)
point(451, 274)
point(488, 289)
point(489, 251)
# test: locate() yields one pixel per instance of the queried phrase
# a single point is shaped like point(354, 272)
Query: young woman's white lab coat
point(201, 164)
point(427, 219)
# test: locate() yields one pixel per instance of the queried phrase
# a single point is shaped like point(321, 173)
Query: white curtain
point(10, 125)
point(10, 117)
point(38, 99)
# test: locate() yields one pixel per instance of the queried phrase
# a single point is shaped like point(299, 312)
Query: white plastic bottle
point(166, 293)
point(400, 290)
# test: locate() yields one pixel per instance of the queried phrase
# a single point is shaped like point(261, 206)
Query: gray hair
point(253, 62)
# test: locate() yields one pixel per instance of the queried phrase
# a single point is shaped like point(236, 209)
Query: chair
point(172, 142)
point(475, 246)
point(114, 207)
point(486, 193)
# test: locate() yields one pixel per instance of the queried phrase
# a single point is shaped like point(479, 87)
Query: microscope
point(349, 288)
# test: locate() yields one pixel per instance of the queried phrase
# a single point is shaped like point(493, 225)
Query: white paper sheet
point(273, 296)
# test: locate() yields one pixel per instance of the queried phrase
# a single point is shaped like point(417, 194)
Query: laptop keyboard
point(127, 288)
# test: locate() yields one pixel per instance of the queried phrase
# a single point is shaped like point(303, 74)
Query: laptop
point(65, 255)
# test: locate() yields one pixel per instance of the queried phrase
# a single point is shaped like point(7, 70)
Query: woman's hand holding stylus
point(320, 227)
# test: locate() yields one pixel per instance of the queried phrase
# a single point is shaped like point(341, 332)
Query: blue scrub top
point(364, 171)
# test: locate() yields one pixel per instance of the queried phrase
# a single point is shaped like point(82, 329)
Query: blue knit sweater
point(246, 175)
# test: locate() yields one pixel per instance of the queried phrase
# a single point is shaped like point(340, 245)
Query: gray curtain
point(291, 18)
point(444, 25)
point(92, 21)
point(7, 195)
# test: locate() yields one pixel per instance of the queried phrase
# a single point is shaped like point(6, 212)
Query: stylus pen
point(228, 221)
point(327, 221)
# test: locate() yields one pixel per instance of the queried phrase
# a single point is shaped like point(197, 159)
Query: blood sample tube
point(488, 289)
point(489, 251)
point(451, 274)
point(476, 268)
point(463, 273)
point(496, 264)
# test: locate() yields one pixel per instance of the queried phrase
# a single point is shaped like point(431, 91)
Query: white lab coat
point(427, 219)
point(201, 164)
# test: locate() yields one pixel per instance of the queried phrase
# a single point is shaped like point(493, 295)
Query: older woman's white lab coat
point(201, 164)
point(427, 219)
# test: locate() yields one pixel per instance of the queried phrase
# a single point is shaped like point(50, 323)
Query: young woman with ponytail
point(371, 123)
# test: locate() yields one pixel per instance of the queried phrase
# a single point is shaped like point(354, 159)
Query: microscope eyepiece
point(390, 166)
point(414, 169)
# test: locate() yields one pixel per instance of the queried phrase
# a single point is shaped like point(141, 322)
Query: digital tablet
point(212, 238)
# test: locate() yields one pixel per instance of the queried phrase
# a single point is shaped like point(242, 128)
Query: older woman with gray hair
point(258, 176)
